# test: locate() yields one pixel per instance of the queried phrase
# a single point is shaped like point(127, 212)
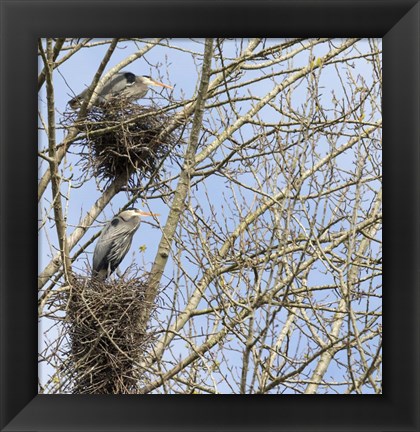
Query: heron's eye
point(130, 77)
point(115, 222)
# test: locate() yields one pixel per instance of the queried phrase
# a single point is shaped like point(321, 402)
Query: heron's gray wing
point(77, 100)
point(115, 85)
point(113, 244)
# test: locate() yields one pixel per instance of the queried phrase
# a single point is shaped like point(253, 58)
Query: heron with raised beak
point(115, 241)
point(122, 85)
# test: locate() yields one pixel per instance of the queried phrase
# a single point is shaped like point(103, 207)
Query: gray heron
point(115, 241)
point(124, 85)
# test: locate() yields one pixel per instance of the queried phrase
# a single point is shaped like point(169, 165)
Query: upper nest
point(126, 139)
point(106, 339)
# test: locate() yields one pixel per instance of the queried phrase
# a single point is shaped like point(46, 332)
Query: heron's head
point(145, 79)
point(129, 213)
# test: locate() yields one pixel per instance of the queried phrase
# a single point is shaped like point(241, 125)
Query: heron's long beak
point(142, 213)
point(159, 84)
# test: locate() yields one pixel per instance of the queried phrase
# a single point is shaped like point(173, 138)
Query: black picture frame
point(22, 23)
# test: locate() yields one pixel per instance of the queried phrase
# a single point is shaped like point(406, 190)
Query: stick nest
point(124, 139)
point(106, 339)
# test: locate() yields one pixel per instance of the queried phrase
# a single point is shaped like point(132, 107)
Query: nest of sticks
point(105, 336)
point(124, 139)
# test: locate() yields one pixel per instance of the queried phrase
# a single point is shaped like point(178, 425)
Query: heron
point(124, 85)
point(115, 241)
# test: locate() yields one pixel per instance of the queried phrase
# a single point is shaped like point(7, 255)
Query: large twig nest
point(106, 338)
point(126, 139)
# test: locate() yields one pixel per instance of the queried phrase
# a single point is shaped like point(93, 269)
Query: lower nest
point(106, 338)
point(125, 139)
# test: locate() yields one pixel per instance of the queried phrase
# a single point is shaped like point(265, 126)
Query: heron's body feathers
point(124, 85)
point(113, 245)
